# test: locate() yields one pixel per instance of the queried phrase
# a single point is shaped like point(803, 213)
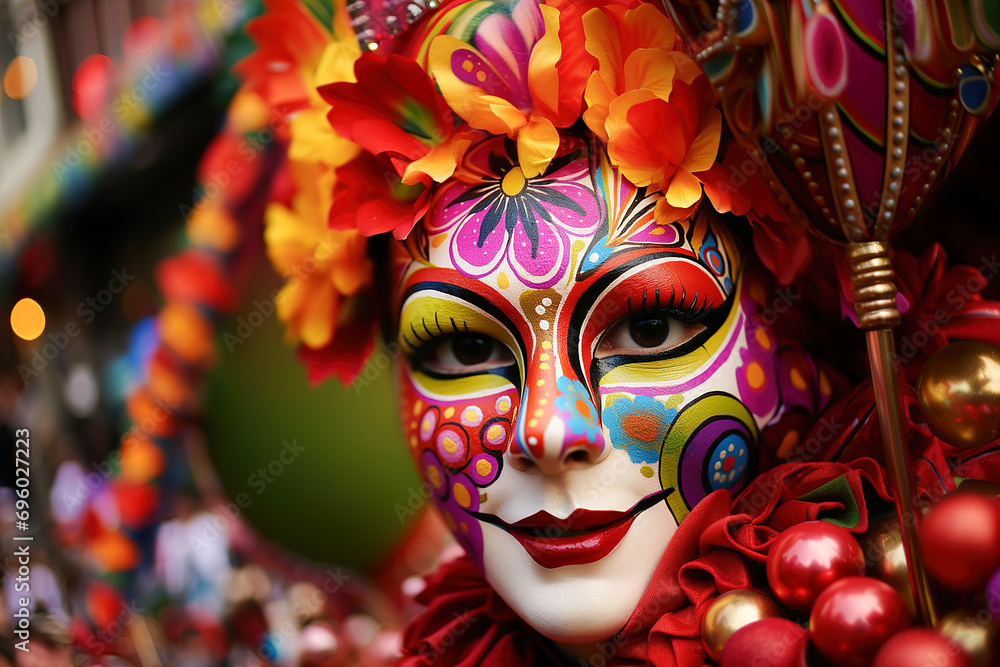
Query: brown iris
point(471, 350)
point(649, 331)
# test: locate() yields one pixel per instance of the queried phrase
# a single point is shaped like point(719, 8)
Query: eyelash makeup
point(692, 314)
point(421, 342)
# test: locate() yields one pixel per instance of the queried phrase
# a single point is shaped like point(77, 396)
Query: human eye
point(462, 354)
point(647, 333)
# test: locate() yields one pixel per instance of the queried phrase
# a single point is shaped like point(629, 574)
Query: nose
point(558, 426)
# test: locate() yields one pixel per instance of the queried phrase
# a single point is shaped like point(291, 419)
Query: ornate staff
point(853, 112)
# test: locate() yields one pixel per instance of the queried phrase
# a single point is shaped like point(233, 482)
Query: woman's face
point(578, 377)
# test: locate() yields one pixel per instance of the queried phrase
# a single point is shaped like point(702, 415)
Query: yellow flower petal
point(320, 315)
point(602, 42)
point(537, 143)
point(289, 242)
point(289, 303)
point(684, 190)
point(313, 140)
point(649, 27)
point(352, 268)
point(337, 62)
point(598, 96)
point(543, 79)
point(650, 69)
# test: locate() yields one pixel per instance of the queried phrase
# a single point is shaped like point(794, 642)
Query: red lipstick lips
point(585, 536)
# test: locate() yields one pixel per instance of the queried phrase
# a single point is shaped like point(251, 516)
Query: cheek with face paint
point(459, 447)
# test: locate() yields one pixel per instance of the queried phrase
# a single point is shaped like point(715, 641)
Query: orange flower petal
point(543, 77)
point(638, 159)
point(141, 460)
point(601, 26)
point(664, 213)
point(186, 332)
point(114, 551)
point(212, 227)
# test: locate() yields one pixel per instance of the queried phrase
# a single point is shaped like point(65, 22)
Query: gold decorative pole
point(875, 305)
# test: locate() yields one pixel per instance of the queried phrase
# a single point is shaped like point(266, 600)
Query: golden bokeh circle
point(27, 319)
point(20, 77)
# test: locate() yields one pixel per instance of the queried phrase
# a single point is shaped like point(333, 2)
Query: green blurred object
point(337, 499)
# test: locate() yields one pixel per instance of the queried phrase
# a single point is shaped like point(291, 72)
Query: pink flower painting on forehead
point(527, 223)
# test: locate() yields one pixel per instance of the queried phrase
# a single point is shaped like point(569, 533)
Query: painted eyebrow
point(467, 295)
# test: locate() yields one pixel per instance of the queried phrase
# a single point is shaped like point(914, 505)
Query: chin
point(577, 604)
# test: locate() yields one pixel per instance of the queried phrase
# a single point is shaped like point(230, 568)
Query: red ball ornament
point(960, 540)
point(807, 558)
point(921, 646)
point(769, 642)
point(853, 617)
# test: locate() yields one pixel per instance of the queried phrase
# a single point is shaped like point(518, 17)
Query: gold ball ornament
point(959, 393)
point(980, 486)
point(976, 634)
point(885, 559)
point(730, 612)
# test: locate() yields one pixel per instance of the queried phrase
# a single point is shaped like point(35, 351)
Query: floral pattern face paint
point(578, 377)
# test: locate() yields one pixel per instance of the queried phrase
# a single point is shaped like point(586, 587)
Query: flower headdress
point(398, 124)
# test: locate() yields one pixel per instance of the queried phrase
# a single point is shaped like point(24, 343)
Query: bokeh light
point(91, 83)
point(27, 319)
point(81, 391)
point(143, 36)
point(20, 77)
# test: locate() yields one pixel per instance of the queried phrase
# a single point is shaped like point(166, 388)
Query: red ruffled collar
point(720, 546)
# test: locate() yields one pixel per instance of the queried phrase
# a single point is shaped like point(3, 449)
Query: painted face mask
point(578, 377)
